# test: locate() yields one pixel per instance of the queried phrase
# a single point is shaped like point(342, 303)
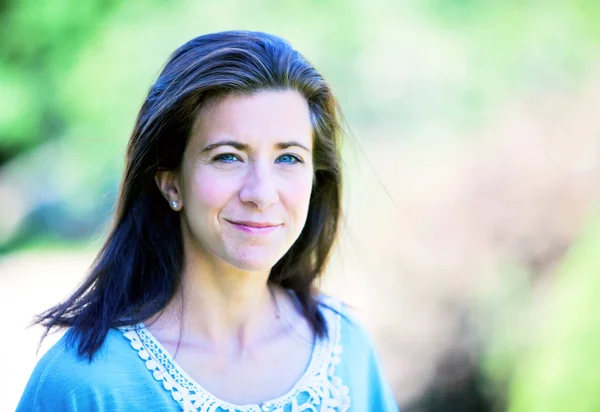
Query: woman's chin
point(253, 263)
point(252, 266)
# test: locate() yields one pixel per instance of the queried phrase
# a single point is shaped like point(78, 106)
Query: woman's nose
point(259, 187)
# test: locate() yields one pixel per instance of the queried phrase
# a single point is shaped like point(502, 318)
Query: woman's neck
point(221, 308)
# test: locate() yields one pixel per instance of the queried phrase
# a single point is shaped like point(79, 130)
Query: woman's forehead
point(264, 117)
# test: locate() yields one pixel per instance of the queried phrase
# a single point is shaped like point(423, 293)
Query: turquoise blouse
point(133, 372)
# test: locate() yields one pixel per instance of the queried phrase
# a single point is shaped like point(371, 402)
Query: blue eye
point(226, 158)
point(289, 159)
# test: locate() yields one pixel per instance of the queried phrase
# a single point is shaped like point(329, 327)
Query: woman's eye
point(226, 158)
point(289, 159)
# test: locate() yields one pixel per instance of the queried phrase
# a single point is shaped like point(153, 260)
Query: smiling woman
point(203, 297)
point(245, 180)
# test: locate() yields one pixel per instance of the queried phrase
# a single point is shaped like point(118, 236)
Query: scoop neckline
point(191, 396)
point(312, 367)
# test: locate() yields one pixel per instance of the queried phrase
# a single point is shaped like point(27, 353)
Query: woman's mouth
point(255, 228)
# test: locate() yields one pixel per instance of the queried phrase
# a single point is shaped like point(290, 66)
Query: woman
point(203, 296)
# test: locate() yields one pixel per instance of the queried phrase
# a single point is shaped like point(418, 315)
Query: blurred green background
point(472, 175)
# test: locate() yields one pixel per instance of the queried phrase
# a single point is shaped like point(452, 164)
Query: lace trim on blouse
point(319, 389)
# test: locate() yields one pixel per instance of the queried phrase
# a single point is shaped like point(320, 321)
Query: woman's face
point(246, 178)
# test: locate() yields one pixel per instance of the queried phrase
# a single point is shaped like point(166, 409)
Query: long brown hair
point(138, 269)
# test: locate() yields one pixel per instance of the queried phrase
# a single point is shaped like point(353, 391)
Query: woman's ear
point(168, 184)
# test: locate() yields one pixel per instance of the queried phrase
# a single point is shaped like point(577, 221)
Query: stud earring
point(174, 204)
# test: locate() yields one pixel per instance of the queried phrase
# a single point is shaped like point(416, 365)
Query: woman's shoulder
point(341, 316)
point(356, 362)
point(63, 363)
point(63, 379)
point(64, 357)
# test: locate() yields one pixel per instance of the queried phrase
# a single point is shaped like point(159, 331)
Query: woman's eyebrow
point(285, 145)
point(236, 145)
point(246, 148)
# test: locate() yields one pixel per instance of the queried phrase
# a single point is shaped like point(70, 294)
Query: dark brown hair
point(138, 269)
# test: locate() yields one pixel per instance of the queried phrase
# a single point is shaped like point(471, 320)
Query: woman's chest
point(254, 374)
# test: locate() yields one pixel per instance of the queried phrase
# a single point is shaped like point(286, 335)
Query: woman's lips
point(255, 228)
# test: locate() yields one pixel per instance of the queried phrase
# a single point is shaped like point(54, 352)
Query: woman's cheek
point(213, 190)
point(297, 193)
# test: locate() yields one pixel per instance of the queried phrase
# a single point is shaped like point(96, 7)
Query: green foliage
point(40, 41)
point(560, 371)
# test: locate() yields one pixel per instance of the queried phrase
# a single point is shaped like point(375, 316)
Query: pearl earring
point(174, 204)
